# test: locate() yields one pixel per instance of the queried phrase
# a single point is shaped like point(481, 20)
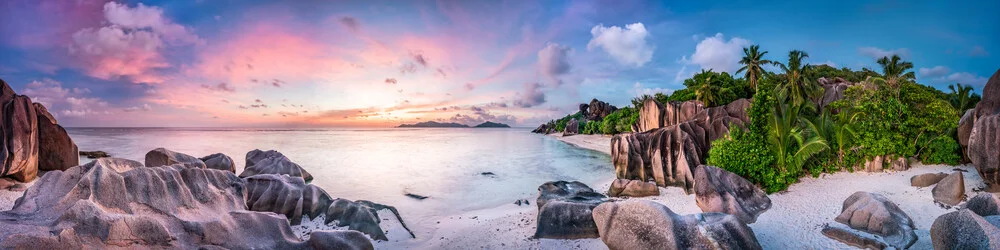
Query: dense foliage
point(747, 153)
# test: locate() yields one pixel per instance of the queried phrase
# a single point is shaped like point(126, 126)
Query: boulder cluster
point(30, 139)
point(973, 227)
point(670, 140)
point(875, 214)
point(596, 110)
point(982, 146)
point(175, 200)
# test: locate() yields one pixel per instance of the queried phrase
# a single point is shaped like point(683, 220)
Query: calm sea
point(382, 165)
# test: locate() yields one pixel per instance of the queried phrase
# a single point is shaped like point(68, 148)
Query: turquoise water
point(382, 165)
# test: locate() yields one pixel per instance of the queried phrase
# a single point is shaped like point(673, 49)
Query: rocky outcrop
point(597, 110)
point(363, 216)
point(874, 165)
point(965, 125)
point(19, 138)
point(899, 163)
point(833, 90)
point(565, 210)
point(572, 127)
point(990, 104)
point(874, 213)
point(655, 115)
point(650, 116)
point(546, 128)
point(950, 190)
point(642, 224)
point(926, 180)
point(632, 188)
point(164, 157)
point(851, 238)
point(340, 239)
point(272, 162)
point(96, 206)
point(718, 190)
point(964, 229)
point(286, 195)
point(667, 156)
point(984, 204)
point(56, 151)
point(219, 161)
point(115, 164)
point(984, 147)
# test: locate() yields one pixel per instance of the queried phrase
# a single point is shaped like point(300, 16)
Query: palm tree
point(796, 87)
point(894, 70)
point(793, 146)
point(706, 92)
point(960, 96)
point(752, 61)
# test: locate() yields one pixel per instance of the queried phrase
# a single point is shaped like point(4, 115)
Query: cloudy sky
point(362, 64)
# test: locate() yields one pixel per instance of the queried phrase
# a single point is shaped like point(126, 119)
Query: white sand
point(793, 222)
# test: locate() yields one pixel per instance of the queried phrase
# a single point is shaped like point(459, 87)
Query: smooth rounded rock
point(950, 190)
point(643, 224)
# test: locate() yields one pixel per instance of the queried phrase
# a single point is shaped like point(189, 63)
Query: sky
point(312, 63)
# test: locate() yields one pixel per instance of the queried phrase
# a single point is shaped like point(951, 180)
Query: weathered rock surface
point(833, 90)
point(362, 216)
point(219, 161)
point(650, 116)
point(926, 180)
point(164, 157)
point(597, 110)
point(875, 165)
point(116, 164)
point(875, 214)
point(272, 162)
point(572, 127)
point(56, 151)
point(340, 239)
point(984, 204)
point(19, 138)
point(632, 188)
point(984, 147)
point(950, 190)
point(565, 210)
point(286, 195)
point(990, 104)
point(718, 190)
point(899, 164)
point(546, 128)
point(667, 156)
point(96, 206)
point(851, 238)
point(965, 125)
point(641, 224)
point(964, 229)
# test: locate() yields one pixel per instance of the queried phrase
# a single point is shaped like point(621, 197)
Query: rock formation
point(546, 128)
point(219, 161)
point(926, 180)
point(632, 188)
point(362, 216)
point(286, 195)
point(718, 190)
point(950, 190)
point(851, 238)
point(984, 204)
point(833, 90)
point(669, 154)
point(642, 224)
point(572, 127)
point(874, 213)
point(964, 229)
point(272, 162)
point(965, 125)
point(984, 142)
point(597, 110)
point(164, 157)
point(565, 210)
point(96, 206)
point(19, 138)
point(56, 151)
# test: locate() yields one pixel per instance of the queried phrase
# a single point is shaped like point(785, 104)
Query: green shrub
point(943, 150)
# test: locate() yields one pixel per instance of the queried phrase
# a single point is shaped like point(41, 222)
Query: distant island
point(433, 124)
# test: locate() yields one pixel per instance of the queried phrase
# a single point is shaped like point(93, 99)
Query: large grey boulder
point(984, 204)
point(984, 147)
point(964, 229)
point(363, 216)
point(272, 162)
point(19, 138)
point(632, 188)
point(164, 157)
point(990, 104)
point(950, 190)
point(851, 238)
point(340, 239)
point(286, 195)
point(667, 155)
point(926, 180)
point(219, 161)
point(718, 190)
point(643, 224)
point(572, 127)
point(597, 110)
point(56, 151)
point(93, 206)
point(876, 214)
point(565, 210)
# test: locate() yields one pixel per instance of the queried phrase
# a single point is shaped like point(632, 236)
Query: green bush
point(943, 150)
point(619, 121)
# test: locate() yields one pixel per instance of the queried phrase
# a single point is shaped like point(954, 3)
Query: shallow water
point(382, 165)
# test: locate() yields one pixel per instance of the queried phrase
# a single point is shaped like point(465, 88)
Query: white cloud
point(552, 61)
point(532, 96)
point(72, 102)
point(935, 72)
point(144, 107)
point(966, 78)
point(827, 63)
point(874, 52)
point(85, 106)
point(628, 46)
point(718, 54)
point(641, 90)
point(978, 51)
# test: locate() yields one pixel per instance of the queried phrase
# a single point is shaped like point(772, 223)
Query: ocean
point(382, 165)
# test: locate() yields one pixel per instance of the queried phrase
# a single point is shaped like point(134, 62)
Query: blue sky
point(364, 64)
